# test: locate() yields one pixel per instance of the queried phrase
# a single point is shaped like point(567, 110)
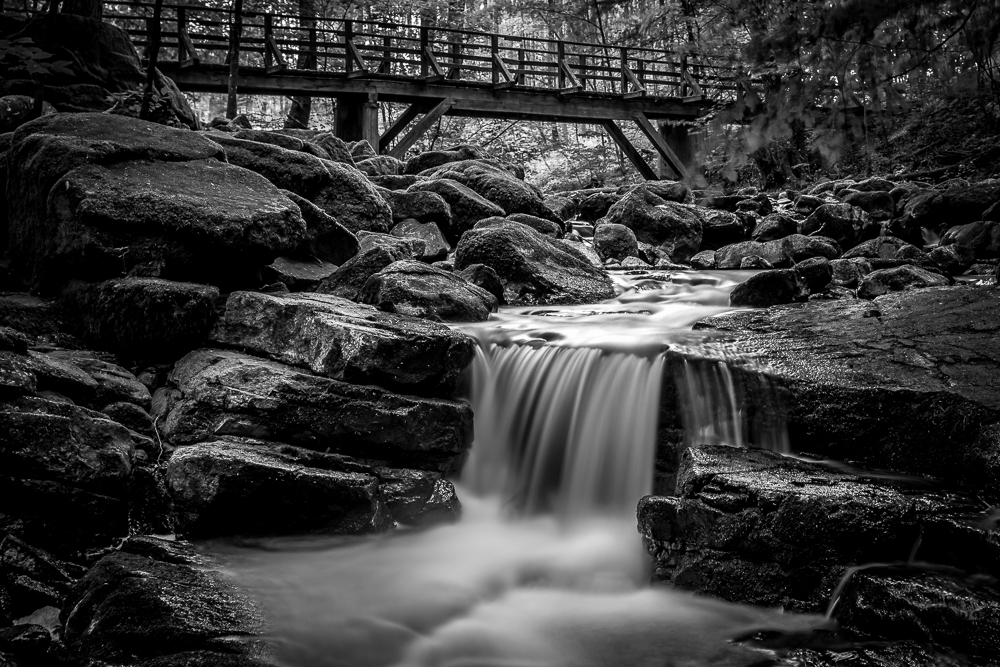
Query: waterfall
point(561, 429)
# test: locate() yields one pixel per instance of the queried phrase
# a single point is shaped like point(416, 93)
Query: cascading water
point(545, 567)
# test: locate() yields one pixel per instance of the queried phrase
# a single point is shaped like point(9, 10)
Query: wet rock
point(920, 605)
point(359, 150)
point(380, 165)
point(758, 203)
point(40, 321)
point(540, 225)
point(674, 227)
point(376, 253)
point(773, 227)
point(17, 377)
point(283, 163)
point(954, 259)
point(914, 370)
point(230, 488)
point(356, 202)
point(749, 525)
point(887, 248)
point(897, 279)
point(483, 276)
point(806, 204)
point(130, 607)
point(497, 185)
point(584, 251)
point(27, 643)
point(983, 237)
point(216, 393)
point(845, 224)
point(298, 275)
point(418, 497)
point(430, 159)
point(413, 288)
point(346, 341)
point(419, 205)
point(564, 207)
point(768, 288)
point(721, 228)
point(146, 318)
point(534, 268)
point(755, 262)
point(396, 182)
point(815, 273)
point(614, 241)
point(33, 577)
point(467, 207)
point(326, 239)
point(596, 206)
point(732, 256)
point(704, 260)
point(114, 383)
point(879, 205)
point(284, 140)
point(674, 191)
point(435, 246)
point(130, 416)
point(799, 248)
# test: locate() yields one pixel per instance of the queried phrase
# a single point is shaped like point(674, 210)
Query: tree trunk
point(91, 9)
point(298, 115)
point(234, 57)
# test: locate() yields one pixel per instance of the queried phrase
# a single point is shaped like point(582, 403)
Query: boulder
point(534, 268)
point(815, 273)
point(298, 275)
point(380, 165)
point(432, 159)
point(596, 206)
point(674, 191)
point(326, 239)
point(483, 276)
point(849, 272)
point(215, 393)
point(413, 288)
point(758, 203)
point(346, 341)
point(874, 184)
point(755, 262)
point(541, 225)
point(359, 150)
point(564, 207)
point(418, 205)
point(396, 182)
point(773, 227)
point(418, 497)
point(282, 163)
point(798, 248)
point(113, 383)
point(284, 140)
point(146, 318)
point(721, 228)
point(749, 525)
point(878, 204)
point(235, 488)
point(983, 237)
point(377, 252)
point(806, 204)
point(704, 260)
point(905, 382)
point(356, 202)
point(129, 607)
point(954, 259)
point(886, 248)
point(768, 288)
point(845, 224)
point(897, 279)
point(674, 227)
point(614, 241)
point(435, 246)
point(497, 185)
point(467, 207)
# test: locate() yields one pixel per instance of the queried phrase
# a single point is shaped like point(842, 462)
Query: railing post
point(348, 39)
point(495, 52)
point(624, 63)
point(181, 29)
point(640, 70)
point(268, 36)
point(684, 72)
point(583, 70)
point(456, 59)
point(386, 66)
point(425, 41)
point(560, 58)
point(520, 66)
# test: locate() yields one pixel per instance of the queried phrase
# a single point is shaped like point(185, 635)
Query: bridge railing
point(194, 35)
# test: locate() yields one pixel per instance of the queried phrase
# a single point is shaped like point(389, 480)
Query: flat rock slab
point(343, 340)
point(749, 525)
point(908, 381)
point(217, 393)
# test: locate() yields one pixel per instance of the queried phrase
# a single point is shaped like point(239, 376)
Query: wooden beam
point(273, 62)
point(661, 146)
point(187, 55)
point(398, 126)
point(399, 150)
point(633, 154)
point(568, 77)
point(509, 80)
point(434, 65)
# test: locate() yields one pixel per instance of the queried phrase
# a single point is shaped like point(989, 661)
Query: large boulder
point(435, 246)
point(346, 341)
point(534, 268)
point(614, 241)
point(674, 227)
point(773, 227)
point(377, 251)
point(497, 185)
point(845, 224)
point(888, 248)
point(213, 393)
point(878, 204)
point(732, 256)
point(288, 168)
point(983, 237)
point(721, 228)
point(422, 206)
point(431, 159)
point(236, 488)
point(353, 200)
point(769, 288)
point(414, 288)
point(897, 279)
point(467, 207)
point(326, 239)
point(595, 206)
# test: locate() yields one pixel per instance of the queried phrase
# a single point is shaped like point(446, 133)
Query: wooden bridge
point(434, 71)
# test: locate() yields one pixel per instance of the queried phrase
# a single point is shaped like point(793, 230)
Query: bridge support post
point(678, 137)
point(357, 118)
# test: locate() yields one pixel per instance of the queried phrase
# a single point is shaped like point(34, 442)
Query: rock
point(218, 393)
point(431, 159)
point(418, 497)
point(418, 205)
point(131, 416)
point(34, 578)
point(467, 207)
point(845, 224)
point(634, 263)
point(982, 237)
point(396, 182)
point(755, 262)
point(361, 150)
point(674, 191)
point(380, 165)
point(905, 382)
point(749, 525)
point(483, 276)
point(40, 321)
point(798, 248)
point(281, 162)
point(897, 279)
point(874, 184)
point(815, 273)
point(357, 203)
point(849, 272)
point(497, 185)
point(614, 241)
point(806, 204)
point(879, 205)
point(17, 377)
point(283, 140)
point(896, 603)
point(674, 227)
point(732, 256)
point(704, 260)
point(540, 225)
point(64, 378)
point(435, 246)
point(584, 251)
point(130, 607)
point(298, 275)
point(378, 252)
point(773, 227)
point(416, 289)
point(114, 383)
point(768, 288)
point(954, 259)
point(758, 203)
point(146, 318)
point(326, 239)
point(722, 202)
point(534, 268)
point(886, 248)
point(565, 208)
point(346, 341)
point(230, 488)
point(596, 206)
point(721, 228)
